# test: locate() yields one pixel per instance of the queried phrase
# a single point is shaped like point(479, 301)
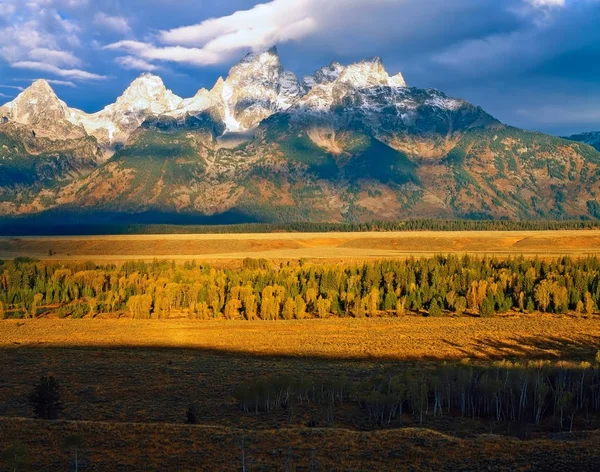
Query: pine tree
point(434, 308)
point(45, 399)
point(487, 308)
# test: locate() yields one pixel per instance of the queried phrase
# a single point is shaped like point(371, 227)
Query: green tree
point(434, 308)
point(487, 308)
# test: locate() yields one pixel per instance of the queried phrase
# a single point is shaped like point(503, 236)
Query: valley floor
point(284, 246)
point(126, 385)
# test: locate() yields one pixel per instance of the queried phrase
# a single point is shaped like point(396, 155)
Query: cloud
point(7, 10)
point(114, 23)
point(54, 57)
point(75, 74)
point(194, 56)
point(546, 3)
point(217, 40)
point(15, 87)
point(135, 63)
point(66, 83)
point(39, 37)
point(3, 95)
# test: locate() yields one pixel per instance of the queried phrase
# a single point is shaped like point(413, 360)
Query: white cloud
point(38, 37)
point(546, 3)
point(135, 63)
point(216, 40)
point(15, 87)
point(7, 9)
point(114, 23)
point(54, 57)
point(66, 83)
point(75, 74)
point(3, 95)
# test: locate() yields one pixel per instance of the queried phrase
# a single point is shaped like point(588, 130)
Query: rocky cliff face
point(349, 143)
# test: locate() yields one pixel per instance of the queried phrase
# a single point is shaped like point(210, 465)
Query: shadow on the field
point(532, 348)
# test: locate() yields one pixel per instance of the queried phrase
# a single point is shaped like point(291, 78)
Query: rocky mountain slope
point(592, 138)
point(349, 143)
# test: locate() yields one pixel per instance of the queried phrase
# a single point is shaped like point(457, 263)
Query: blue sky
point(531, 63)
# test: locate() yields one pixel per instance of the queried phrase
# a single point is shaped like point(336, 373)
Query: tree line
point(296, 290)
point(536, 392)
point(55, 227)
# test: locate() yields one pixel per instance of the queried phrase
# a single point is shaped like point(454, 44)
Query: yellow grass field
point(281, 246)
point(400, 339)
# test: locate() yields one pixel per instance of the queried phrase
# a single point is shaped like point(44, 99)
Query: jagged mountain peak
point(40, 86)
point(366, 73)
point(39, 108)
point(148, 91)
point(268, 55)
point(324, 75)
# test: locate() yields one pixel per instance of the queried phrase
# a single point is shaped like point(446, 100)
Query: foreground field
point(281, 246)
point(127, 384)
point(132, 447)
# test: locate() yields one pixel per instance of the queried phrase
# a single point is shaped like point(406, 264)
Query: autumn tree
point(139, 306)
point(289, 309)
point(589, 304)
point(323, 306)
point(460, 305)
point(300, 309)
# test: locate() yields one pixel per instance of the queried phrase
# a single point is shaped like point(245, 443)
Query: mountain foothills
point(349, 143)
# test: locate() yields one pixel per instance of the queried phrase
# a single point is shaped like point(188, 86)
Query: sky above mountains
point(530, 63)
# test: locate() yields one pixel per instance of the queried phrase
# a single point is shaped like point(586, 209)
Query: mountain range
point(349, 143)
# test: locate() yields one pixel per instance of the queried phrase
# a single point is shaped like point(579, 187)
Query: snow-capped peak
point(264, 57)
point(397, 81)
point(364, 74)
point(148, 92)
point(40, 86)
point(324, 75)
point(39, 107)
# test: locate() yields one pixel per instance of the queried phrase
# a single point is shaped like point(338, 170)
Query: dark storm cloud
point(533, 63)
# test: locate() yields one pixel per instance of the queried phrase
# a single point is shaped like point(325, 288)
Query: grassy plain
point(127, 384)
point(282, 246)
